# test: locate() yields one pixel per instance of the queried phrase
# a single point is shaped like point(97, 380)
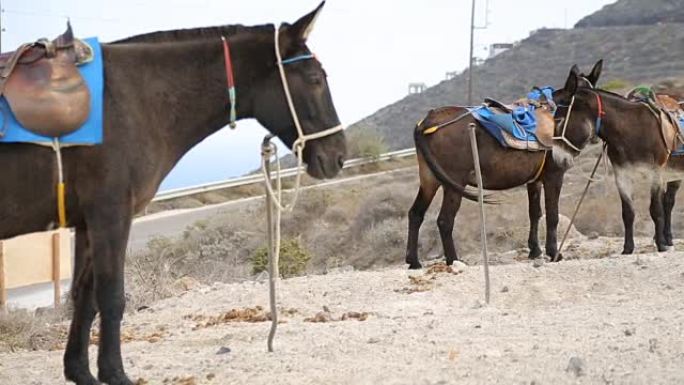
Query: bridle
point(267, 147)
point(302, 138)
point(600, 113)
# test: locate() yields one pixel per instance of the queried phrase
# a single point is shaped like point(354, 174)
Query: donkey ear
point(301, 29)
point(574, 69)
point(571, 82)
point(595, 72)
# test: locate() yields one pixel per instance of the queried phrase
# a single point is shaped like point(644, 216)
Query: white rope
point(565, 126)
point(274, 198)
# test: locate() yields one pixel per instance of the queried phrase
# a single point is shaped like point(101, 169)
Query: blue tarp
point(91, 131)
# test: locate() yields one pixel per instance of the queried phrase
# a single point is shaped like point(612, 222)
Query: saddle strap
point(11, 64)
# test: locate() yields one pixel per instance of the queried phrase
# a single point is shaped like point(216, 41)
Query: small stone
point(211, 376)
point(478, 304)
point(630, 332)
point(593, 235)
point(504, 289)
point(373, 340)
point(223, 350)
point(148, 367)
point(652, 345)
point(458, 267)
point(575, 366)
point(186, 284)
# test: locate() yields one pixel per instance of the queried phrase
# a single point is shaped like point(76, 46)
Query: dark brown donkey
point(639, 146)
point(445, 159)
point(164, 93)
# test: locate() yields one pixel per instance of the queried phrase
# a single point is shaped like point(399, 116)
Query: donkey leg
point(658, 215)
point(553, 182)
point(416, 215)
point(668, 205)
point(535, 212)
point(108, 228)
point(445, 222)
point(624, 185)
point(76, 366)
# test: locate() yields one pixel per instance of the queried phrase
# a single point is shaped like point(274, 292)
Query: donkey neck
point(181, 85)
point(632, 132)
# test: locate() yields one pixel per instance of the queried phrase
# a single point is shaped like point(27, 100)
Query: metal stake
point(266, 152)
point(480, 196)
point(584, 193)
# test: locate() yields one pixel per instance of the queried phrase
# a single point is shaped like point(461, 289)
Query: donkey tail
point(421, 145)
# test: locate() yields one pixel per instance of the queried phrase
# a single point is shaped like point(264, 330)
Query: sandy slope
point(623, 317)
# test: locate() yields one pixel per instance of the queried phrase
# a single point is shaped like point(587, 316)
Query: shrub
point(615, 85)
point(365, 143)
point(293, 258)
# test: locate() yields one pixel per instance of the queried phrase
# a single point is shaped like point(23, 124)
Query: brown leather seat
point(43, 87)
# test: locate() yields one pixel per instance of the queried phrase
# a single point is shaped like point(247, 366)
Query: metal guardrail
point(251, 179)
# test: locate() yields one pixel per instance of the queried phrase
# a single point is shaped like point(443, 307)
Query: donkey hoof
point(415, 266)
point(116, 379)
point(627, 251)
point(663, 248)
point(80, 377)
point(534, 254)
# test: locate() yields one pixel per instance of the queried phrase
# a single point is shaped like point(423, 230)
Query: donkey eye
point(315, 79)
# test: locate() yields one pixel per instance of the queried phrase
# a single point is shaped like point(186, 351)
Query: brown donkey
point(164, 93)
point(639, 144)
point(445, 160)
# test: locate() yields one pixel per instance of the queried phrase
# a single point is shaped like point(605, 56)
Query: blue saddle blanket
point(680, 150)
point(521, 124)
point(91, 131)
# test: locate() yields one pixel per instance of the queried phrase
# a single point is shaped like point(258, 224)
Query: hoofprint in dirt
point(616, 320)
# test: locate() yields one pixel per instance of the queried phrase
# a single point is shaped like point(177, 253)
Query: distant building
point(497, 48)
point(416, 88)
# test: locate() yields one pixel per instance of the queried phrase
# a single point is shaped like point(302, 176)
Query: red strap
point(601, 112)
point(229, 63)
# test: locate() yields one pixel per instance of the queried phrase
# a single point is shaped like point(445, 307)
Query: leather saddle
point(44, 87)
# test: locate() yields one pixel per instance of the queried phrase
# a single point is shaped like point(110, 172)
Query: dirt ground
point(605, 320)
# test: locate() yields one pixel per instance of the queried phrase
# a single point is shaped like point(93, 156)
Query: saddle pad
point(680, 150)
point(91, 131)
point(515, 130)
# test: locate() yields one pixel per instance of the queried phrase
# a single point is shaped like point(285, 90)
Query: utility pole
point(473, 27)
point(470, 62)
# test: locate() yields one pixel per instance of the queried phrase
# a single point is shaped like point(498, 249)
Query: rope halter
point(600, 113)
point(302, 138)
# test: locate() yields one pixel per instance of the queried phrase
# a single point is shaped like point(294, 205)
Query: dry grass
point(24, 330)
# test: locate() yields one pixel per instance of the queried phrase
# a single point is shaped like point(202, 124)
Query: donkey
point(444, 160)
point(164, 93)
point(675, 168)
point(638, 143)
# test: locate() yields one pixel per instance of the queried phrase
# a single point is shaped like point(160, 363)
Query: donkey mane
point(626, 103)
point(193, 33)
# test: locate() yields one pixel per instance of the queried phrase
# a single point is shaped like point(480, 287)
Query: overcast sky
point(371, 49)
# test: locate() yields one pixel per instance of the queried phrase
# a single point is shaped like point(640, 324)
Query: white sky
point(371, 49)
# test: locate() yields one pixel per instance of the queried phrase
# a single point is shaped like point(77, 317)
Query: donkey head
point(576, 116)
point(311, 101)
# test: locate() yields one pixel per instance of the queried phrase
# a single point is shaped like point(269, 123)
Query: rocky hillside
point(633, 54)
point(636, 12)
